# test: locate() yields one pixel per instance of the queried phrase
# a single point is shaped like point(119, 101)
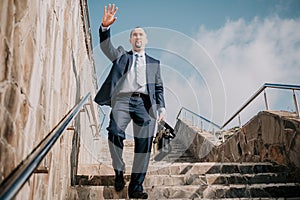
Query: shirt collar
point(142, 53)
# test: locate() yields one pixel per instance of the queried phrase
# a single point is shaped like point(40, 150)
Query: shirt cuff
point(104, 28)
point(161, 111)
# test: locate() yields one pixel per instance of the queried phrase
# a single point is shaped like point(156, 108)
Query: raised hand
point(109, 15)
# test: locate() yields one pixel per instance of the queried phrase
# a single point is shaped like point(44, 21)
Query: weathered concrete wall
point(45, 67)
point(269, 136)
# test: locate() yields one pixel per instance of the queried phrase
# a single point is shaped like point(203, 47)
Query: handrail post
point(223, 137)
point(266, 101)
point(179, 114)
point(193, 121)
point(239, 118)
point(296, 104)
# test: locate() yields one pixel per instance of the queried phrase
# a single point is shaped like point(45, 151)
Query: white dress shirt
point(129, 84)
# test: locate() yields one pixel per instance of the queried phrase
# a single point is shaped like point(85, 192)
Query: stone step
point(262, 178)
point(174, 157)
point(165, 168)
point(217, 168)
point(192, 192)
point(150, 181)
point(281, 190)
point(192, 179)
point(179, 153)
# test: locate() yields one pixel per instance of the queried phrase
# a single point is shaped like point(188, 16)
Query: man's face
point(138, 39)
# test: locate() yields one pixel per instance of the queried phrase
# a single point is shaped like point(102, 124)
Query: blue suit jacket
point(122, 62)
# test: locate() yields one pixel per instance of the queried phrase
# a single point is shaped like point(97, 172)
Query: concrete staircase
point(178, 175)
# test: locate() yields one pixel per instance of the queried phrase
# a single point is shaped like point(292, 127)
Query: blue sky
point(215, 54)
point(188, 16)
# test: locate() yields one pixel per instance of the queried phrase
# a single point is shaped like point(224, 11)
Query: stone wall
point(267, 137)
point(46, 66)
point(272, 136)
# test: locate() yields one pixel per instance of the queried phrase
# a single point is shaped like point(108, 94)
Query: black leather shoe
point(138, 195)
point(119, 181)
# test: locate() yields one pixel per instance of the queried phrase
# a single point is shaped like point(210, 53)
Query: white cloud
point(249, 54)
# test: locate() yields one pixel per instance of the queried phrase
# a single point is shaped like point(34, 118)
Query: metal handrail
point(199, 116)
point(266, 85)
point(15, 181)
point(261, 89)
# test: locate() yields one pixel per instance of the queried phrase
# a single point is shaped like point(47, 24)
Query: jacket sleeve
point(159, 89)
point(107, 47)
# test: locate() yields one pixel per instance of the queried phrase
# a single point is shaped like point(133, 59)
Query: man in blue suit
point(134, 90)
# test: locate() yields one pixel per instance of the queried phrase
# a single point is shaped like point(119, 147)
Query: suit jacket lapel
point(129, 61)
point(147, 67)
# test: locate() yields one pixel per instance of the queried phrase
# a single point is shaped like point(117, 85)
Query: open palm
point(109, 15)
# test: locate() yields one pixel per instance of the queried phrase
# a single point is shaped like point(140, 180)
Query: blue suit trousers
point(127, 108)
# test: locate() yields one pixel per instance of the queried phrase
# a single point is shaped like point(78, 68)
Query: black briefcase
point(165, 133)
